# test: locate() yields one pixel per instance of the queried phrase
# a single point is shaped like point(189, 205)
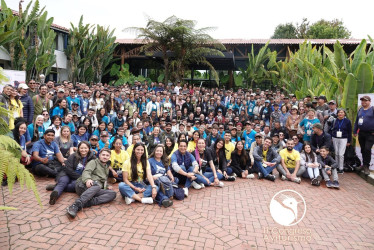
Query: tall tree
point(285, 31)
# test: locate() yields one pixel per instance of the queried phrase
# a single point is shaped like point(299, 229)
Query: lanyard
point(340, 123)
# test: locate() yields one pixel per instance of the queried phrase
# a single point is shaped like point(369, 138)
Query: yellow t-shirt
point(15, 111)
point(229, 148)
point(264, 154)
point(191, 146)
point(127, 168)
point(117, 160)
point(290, 158)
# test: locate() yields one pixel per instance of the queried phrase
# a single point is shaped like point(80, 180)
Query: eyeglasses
point(93, 139)
point(295, 138)
point(104, 136)
point(46, 114)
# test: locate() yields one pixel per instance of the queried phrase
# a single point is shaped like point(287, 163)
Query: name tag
point(309, 132)
point(281, 124)
point(292, 127)
point(339, 134)
point(360, 121)
point(263, 116)
point(111, 112)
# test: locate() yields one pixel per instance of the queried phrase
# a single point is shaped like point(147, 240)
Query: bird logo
point(287, 207)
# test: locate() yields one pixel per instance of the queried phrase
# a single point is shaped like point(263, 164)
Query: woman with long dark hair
point(80, 135)
point(102, 127)
point(308, 159)
point(101, 115)
point(240, 161)
point(96, 102)
point(15, 107)
point(136, 171)
point(219, 159)
point(56, 125)
point(73, 169)
point(161, 174)
point(117, 159)
point(60, 108)
point(193, 143)
point(18, 134)
point(87, 122)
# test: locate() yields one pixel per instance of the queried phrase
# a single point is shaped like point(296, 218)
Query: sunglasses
point(46, 114)
point(93, 140)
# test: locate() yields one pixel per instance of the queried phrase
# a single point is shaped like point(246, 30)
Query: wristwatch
point(154, 186)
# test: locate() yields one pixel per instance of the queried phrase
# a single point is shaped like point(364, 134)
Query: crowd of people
point(158, 140)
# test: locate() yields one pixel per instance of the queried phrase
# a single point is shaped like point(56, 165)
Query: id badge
point(309, 132)
point(281, 124)
point(111, 112)
point(339, 134)
point(263, 116)
point(360, 121)
point(292, 127)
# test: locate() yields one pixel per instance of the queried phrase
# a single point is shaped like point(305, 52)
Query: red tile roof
point(262, 41)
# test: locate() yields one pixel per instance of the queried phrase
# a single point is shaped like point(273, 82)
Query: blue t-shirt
point(22, 142)
point(308, 127)
point(58, 111)
point(124, 141)
point(30, 129)
point(45, 150)
point(70, 125)
point(71, 100)
point(249, 139)
point(77, 139)
point(156, 167)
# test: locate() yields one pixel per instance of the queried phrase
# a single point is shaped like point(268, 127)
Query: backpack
point(351, 161)
point(166, 186)
point(178, 192)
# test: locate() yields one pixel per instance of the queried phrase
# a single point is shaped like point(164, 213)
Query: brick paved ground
point(236, 216)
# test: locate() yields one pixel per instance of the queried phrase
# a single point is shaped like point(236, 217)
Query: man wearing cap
point(44, 153)
point(75, 109)
point(72, 98)
point(118, 120)
point(364, 127)
point(322, 106)
point(275, 116)
point(60, 94)
point(84, 102)
point(28, 105)
point(320, 138)
point(220, 119)
point(330, 116)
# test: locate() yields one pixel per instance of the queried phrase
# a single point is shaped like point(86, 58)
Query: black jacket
point(71, 165)
point(317, 141)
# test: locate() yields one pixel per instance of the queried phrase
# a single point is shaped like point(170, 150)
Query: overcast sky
point(233, 19)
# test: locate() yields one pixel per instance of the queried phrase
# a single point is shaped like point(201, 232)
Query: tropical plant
point(124, 75)
point(89, 52)
point(33, 48)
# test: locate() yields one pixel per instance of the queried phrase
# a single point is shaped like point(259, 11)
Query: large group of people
point(157, 141)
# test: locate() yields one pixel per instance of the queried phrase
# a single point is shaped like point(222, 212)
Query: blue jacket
point(28, 108)
point(345, 126)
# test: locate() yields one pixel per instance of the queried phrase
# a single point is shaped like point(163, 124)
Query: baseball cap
point(332, 102)
point(23, 86)
point(365, 98)
point(60, 91)
point(104, 133)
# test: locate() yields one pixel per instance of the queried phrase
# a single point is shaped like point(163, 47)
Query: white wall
point(61, 60)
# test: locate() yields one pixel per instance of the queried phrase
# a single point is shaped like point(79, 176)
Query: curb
point(368, 178)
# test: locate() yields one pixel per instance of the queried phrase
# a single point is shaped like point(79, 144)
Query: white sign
point(358, 148)
point(15, 78)
point(287, 207)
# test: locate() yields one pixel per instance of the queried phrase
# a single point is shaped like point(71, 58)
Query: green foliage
point(28, 39)
point(189, 46)
point(124, 75)
point(322, 29)
point(89, 52)
point(285, 31)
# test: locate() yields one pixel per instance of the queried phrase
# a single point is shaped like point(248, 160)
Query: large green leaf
point(365, 78)
point(359, 55)
point(350, 93)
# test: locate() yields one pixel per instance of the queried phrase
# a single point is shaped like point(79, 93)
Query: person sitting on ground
point(117, 159)
point(92, 186)
point(80, 135)
point(219, 159)
point(193, 143)
point(44, 153)
point(290, 168)
point(74, 166)
point(184, 166)
point(94, 145)
point(240, 162)
point(257, 142)
point(208, 174)
point(136, 171)
point(104, 140)
point(36, 129)
point(162, 176)
point(266, 159)
point(64, 142)
point(277, 144)
point(229, 148)
point(329, 168)
point(320, 138)
point(154, 139)
point(309, 160)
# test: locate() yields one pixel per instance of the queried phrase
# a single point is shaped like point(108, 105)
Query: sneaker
point(50, 187)
point(315, 182)
point(329, 184)
point(283, 178)
point(202, 185)
point(230, 178)
point(319, 178)
point(72, 210)
point(129, 200)
point(167, 203)
point(220, 184)
point(297, 180)
point(185, 192)
point(195, 185)
point(366, 170)
point(234, 175)
point(270, 177)
point(53, 198)
point(147, 200)
point(112, 180)
point(250, 176)
point(336, 184)
point(340, 171)
point(260, 175)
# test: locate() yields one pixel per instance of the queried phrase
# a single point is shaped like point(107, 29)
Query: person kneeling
point(92, 185)
point(135, 172)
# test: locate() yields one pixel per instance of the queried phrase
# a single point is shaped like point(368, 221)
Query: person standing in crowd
point(364, 128)
point(40, 101)
point(28, 105)
point(15, 107)
point(92, 186)
point(33, 90)
point(307, 124)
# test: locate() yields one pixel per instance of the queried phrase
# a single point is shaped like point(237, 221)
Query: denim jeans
point(299, 173)
point(210, 177)
point(265, 171)
point(119, 178)
point(64, 183)
point(188, 180)
point(127, 191)
point(228, 170)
